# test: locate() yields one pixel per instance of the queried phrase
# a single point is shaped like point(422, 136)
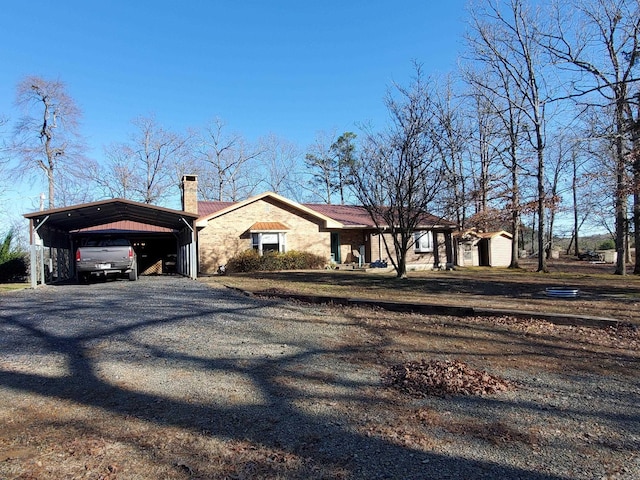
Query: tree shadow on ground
point(86, 328)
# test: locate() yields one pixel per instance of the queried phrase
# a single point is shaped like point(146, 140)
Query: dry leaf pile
point(440, 378)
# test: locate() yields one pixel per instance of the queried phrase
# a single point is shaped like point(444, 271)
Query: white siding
point(500, 251)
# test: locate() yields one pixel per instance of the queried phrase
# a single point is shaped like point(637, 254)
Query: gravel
point(305, 380)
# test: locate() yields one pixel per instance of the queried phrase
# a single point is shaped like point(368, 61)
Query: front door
point(335, 247)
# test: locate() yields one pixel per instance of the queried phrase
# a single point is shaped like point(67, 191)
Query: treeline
point(540, 122)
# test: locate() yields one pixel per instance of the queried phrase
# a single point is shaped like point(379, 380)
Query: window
point(423, 241)
point(267, 242)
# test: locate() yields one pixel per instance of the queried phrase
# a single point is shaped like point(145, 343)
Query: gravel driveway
point(173, 353)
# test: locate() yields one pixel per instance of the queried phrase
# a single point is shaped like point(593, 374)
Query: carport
point(57, 230)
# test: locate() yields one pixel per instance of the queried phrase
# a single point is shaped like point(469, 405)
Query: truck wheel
point(133, 273)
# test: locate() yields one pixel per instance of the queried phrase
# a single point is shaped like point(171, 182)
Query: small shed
point(483, 249)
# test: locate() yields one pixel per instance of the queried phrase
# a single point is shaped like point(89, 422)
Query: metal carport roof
point(53, 227)
point(68, 219)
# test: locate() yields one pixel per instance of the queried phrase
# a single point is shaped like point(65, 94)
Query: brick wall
point(229, 235)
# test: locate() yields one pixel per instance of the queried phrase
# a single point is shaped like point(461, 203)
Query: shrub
point(250, 261)
point(14, 270)
point(247, 261)
point(13, 261)
point(608, 244)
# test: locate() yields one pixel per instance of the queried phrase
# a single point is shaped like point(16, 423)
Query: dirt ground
point(574, 413)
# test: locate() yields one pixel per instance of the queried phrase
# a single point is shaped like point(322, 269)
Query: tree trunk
point(542, 259)
point(621, 196)
point(574, 190)
point(636, 202)
point(515, 216)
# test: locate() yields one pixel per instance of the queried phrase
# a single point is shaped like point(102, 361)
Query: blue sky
point(283, 67)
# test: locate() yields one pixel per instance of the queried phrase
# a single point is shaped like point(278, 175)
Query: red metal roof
point(127, 225)
point(354, 215)
point(348, 215)
point(268, 227)
point(207, 208)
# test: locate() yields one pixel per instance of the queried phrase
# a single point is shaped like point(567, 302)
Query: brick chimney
point(189, 189)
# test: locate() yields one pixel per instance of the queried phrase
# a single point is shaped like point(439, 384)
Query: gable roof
point(217, 209)
point(501, 233)
point(473, 233)
point(268, 227)
point(334, 216)
point(104, 212)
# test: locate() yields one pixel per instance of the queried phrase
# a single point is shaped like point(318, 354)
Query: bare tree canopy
point(4, 149)
point(146, 168)
point(399, 173)
point(46, 137)
point(507, 41)
point(279, 164)
point(226, 173)
point(597, 42)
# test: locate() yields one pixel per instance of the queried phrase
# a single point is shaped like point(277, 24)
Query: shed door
point(483, 252)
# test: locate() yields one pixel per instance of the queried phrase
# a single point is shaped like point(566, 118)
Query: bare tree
point(585, 181)
point(279, 162)
point(600, 38)
point(399, 173)
point(226, 158)
point(506, 38)
point(451, 134)
point(144, 168)
point(500, 108)
point(115, 177)
point(155, 152)
point(46, 137)
point(560, 164)
point(4, 151)
point(483, 150)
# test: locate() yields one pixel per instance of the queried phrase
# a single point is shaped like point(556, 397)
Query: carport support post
point(36, 246)
point(193, 268)
point(34, 266)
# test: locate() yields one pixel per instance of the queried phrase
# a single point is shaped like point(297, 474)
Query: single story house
point(483, 249)
point(343, 234)
point(204, 235)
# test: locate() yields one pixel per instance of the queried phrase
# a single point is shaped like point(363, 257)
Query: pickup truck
point(106, 256)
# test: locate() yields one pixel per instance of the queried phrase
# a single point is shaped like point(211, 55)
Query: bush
point(608, 244)
point(14, 270)
point(13, 261)
point(247, 261)
point(250, 261)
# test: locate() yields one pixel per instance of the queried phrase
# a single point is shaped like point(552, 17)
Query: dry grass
point(601, 293)
point(8, 287)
